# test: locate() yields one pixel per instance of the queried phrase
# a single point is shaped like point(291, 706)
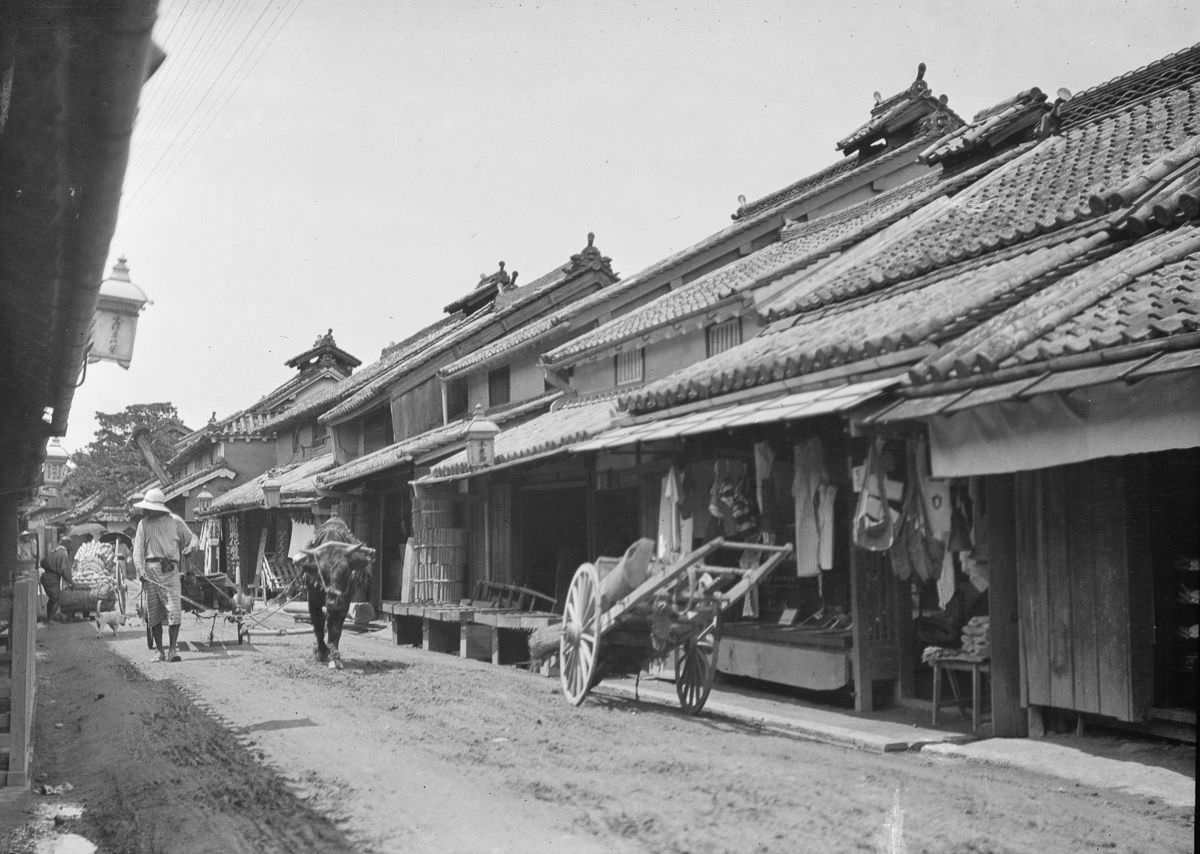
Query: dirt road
point(257, 749)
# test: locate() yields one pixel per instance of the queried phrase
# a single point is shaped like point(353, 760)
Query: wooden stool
point(977, 669)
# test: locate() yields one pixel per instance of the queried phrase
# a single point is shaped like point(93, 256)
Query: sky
point(356, 165)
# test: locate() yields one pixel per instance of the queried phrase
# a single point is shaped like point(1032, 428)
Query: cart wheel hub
point(572, 633)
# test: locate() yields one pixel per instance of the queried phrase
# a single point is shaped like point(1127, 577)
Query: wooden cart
point(677, 609)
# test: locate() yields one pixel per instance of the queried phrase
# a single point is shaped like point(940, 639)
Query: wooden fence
point(18, 608)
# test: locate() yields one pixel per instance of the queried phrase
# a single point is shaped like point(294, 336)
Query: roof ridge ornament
point(589, 258)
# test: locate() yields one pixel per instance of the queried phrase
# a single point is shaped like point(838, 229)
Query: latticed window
point(456, 398)
point(631, 366)
point(499, 390)
point(722, 336)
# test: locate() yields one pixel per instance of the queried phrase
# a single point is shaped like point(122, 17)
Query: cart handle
point(757, 547)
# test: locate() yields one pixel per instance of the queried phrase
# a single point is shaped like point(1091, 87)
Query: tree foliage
point(112, 462)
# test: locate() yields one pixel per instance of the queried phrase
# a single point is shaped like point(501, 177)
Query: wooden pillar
point(9, 530)
point(591, 535)
point(1009, 719)
point(864, 699)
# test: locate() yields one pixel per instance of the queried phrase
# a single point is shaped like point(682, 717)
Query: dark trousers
point(52, 584)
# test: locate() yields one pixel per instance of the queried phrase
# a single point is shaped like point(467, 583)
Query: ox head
point(341, 569)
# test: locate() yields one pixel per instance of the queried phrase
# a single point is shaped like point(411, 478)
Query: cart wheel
point(581, 636)
point(696, 669)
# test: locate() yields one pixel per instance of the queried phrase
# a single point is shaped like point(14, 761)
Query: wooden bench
point(480, 628)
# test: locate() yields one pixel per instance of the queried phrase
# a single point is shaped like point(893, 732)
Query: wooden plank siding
point(501, 558)
point(1057, 578)
point(1083, 547)
point(1084, 605)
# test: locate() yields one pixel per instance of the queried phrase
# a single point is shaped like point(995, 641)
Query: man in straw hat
point(161, 541)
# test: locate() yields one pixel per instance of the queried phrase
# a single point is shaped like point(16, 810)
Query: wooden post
point(23, 648)
point(590, 535)
point(864, 699)
point(1009, 719)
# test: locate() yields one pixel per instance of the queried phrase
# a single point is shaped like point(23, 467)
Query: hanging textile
point(826, 496)
point(764, 462)
point(946, 583)
point(233, 549)
point(210, 540)
point(302, 533)
point(728, 503)
point(808, 475)
point(670, 495)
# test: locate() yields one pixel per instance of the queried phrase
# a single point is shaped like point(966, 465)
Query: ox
point(332, 571)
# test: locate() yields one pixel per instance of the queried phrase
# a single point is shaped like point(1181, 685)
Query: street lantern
point(115, 324)
point(204, 499)
point(270, 489)
point(481, 439)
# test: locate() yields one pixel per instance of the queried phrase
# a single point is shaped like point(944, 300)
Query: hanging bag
point(873, 527)
point(916, 550)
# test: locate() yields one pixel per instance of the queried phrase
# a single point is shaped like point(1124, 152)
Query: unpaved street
point(257, 749)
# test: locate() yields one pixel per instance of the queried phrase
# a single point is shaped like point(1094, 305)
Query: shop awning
point(547, 435)
point(1026, 387)
point(297, 487)
point(1159, 412)
point(789, 407)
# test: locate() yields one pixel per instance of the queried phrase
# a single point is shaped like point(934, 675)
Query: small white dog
point(111, 619)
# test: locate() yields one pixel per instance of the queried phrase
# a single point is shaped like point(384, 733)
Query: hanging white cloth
point(945, 581)
point(809, 465)
point(671, 494)
point(764, 462)
point(826, 495)
point(302, 534)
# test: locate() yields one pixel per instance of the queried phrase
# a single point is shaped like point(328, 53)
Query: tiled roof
point(204, 475)
point(825, 180)
point(390, 356)
point(253, 421)
point(521, 338)
point(297, 487)
point(803, 244)
point(1149, 291)
point(1171, 72)
point(395, 454)
point(442, 436)
point(990, 128)
point(1046, 189)
point(552, 431)
point(923, 314)
point(449, 339)
point(588, 259)
point(901, 110)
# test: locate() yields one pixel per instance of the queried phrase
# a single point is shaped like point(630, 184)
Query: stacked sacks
point(977, 638)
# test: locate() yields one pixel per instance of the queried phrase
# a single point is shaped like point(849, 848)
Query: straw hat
point(155, 499)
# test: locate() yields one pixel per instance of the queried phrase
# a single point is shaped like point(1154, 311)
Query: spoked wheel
point(581, 634)
point(696, 668)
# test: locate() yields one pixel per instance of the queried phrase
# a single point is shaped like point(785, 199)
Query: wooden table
point(978, 669)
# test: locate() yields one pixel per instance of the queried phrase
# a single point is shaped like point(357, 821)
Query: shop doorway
point(551, 527)
point(1172, 498)
point(617, 521)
